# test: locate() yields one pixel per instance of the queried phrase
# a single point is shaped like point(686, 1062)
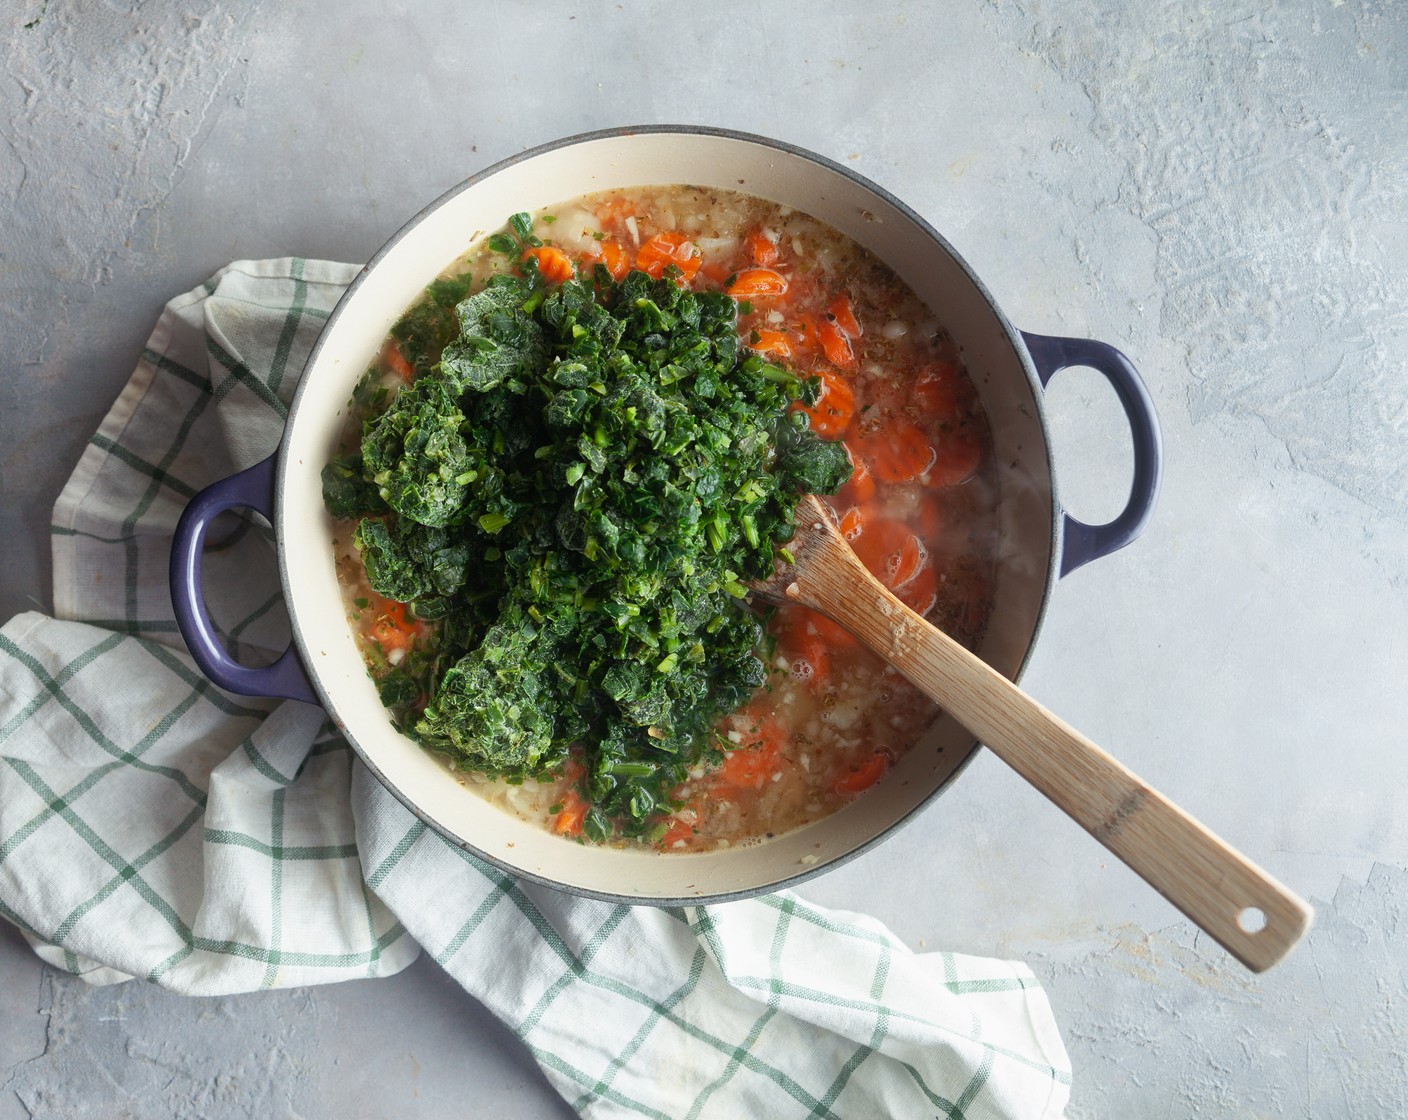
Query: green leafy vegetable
point(414, 454)
point(499, 340)
point(346, 490)
point(431, 323)
point(578, 493)
point(409, 561)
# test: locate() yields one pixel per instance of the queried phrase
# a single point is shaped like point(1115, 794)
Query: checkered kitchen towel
point(152, 826)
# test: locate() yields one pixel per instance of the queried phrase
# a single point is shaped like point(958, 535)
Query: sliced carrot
point(616, 259)
point(807, 624)
point(939, 393)
point(771, 342)
point(852, 523)
point(762, 249)
point(554, 265)
point(807, 340)
point(815, 651)
point(801, 643)
point(835, 345)
point(570, 819)
point(669, 248)
point(890, 551)
point(831, 415)
point(957, 456)
point(932, 394)
point(755, 761)
point(863, 776)
point(615, 210)
point(757, 283)
point(898, 452)
point(678, 830)
point(844, 316)
point(861, 486)
point(837, 637)
point(392, 629)
point(396, 362)
point(908, 561)
point(921, 593)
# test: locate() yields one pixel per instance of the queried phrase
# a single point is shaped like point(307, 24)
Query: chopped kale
point(410, 561)
point(346, 490)
point(493, 707)
point(426, 329)
point(499, 340)
point(414, 454)
point(398, 689)
point(581, 489)
point(818, 466)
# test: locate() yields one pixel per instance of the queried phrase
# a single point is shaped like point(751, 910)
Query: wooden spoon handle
point(1234, 901)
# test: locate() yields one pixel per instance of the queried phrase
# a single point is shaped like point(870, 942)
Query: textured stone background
point(1220, 190)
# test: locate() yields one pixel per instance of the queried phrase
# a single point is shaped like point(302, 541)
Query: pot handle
point(252, 489)
point(1084, 543)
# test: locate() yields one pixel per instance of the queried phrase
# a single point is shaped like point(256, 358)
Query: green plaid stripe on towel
point(153, 826)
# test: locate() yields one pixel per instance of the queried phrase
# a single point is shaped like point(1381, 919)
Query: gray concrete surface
point(1220, 190)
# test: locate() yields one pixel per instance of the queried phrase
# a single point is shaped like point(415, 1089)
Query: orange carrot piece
point(890, 551)
point(771, 342)
point(835, 345)
point(921, 593)
point(678, 830)
point(861, 486)
point(806, 334)
point(615, 210)
point(899, 452)
point(864, 776)
point(956, 458)
point(799, 641)
point(554, 265)
point(746, 769)
point(617, 261)
point(940, 394)
point(573, 814)
point(844, 316)
point(831, 415)
point(396, 362)
point(790, 619)
point(669, 248)
point(837, 636)
point(755, 761)
point(852, 523)
point(813, 651)
point(392, 629)
point(762, 249)
point(757, 283)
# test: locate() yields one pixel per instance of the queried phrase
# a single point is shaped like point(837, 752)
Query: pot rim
point(1014, 338)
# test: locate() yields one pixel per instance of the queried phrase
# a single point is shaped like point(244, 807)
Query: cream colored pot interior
point(426, 247)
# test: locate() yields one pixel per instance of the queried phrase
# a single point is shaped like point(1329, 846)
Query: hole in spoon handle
point(1241, 907)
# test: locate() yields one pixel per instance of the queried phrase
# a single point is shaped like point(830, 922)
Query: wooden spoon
point(1234, 901)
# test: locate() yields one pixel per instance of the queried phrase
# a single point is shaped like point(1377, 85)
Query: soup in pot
point(574, 450)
